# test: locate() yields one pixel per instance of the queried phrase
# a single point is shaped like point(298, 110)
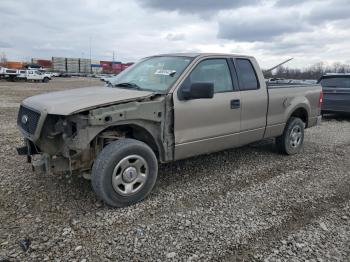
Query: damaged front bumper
point(43, 163)
point(40, 165)
point(28, 149)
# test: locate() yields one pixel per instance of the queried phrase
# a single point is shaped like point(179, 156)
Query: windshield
point(154, 74)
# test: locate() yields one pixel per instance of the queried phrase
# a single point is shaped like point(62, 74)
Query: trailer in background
point(43, 63)
point(59, 64)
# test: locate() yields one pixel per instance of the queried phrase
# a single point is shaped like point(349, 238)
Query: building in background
point(72, 65)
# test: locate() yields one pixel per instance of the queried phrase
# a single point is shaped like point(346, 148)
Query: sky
point(310, 31)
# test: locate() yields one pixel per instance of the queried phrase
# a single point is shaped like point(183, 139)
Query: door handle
point(235, 103)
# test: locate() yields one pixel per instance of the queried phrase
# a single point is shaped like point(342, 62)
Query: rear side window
point(247, 76)
point(338, 82)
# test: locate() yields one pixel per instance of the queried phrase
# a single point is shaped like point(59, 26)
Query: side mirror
point(197, 90)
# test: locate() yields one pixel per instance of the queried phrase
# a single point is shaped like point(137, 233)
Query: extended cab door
point(254, 100)
point(208, 125)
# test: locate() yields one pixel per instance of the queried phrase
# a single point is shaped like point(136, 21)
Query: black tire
point(285, 143)
point(107, 161)
point(46, 79)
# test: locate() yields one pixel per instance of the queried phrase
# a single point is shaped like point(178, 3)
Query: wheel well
point(136, 132)
point(141, 134)
point(302, 114)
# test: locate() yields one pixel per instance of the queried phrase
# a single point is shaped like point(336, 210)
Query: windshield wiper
point(129, 84)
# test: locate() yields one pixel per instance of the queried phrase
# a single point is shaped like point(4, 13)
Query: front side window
point(215, 71)
point(154, 74)
point(247, 76)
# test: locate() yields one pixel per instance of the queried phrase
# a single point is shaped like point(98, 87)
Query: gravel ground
point(246, 204)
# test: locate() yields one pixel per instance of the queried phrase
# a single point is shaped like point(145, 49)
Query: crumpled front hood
point(75, 100)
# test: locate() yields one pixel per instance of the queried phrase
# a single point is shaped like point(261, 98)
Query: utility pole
point(90, 54)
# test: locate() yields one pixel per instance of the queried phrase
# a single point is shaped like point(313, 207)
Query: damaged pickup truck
point(162, 109)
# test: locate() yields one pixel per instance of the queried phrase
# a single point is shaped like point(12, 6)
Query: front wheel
point(292, 140)
point(124, 173)
point(45, 80)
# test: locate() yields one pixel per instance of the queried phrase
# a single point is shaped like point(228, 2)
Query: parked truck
point(2, 72)
point(10, 74)
point(33, 75)
point(336, 89)
point(162, 109)
point(24, 74)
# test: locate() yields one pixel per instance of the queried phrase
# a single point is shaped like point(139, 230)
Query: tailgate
point(336, 99)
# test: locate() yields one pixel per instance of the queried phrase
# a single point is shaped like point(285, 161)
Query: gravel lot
point(246, 204)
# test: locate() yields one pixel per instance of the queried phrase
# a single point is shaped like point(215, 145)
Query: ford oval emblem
point(24, 119)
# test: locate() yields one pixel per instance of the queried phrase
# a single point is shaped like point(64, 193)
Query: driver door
point(30, 75)
point(208, 125)
point(37, 75)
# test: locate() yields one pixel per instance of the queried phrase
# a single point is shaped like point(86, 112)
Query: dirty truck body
point(162, 109)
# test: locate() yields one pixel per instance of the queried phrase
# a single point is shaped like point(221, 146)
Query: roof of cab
point(203, 55)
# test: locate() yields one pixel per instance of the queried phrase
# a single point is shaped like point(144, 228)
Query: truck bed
point(286, 98)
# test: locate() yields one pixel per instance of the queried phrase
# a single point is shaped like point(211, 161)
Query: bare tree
point(312, 72)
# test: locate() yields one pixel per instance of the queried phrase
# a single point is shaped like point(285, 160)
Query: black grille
point(28, 119)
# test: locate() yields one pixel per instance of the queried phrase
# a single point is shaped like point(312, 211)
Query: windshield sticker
point(165, 72)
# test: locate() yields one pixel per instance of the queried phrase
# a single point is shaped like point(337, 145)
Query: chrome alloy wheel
point(295, 136)
point(130, 175)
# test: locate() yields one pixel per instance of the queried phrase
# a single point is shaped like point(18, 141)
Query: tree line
point(313, 72)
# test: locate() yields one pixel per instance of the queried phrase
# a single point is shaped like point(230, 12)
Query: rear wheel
point(124, 172)
point(46, 79)
point(292, 140)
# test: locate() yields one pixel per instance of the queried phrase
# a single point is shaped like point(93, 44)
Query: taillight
point(320, 101)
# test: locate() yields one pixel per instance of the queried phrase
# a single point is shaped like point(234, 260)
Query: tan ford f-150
point(162, 109)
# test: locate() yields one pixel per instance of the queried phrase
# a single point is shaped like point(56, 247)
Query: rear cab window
point(247, 76)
